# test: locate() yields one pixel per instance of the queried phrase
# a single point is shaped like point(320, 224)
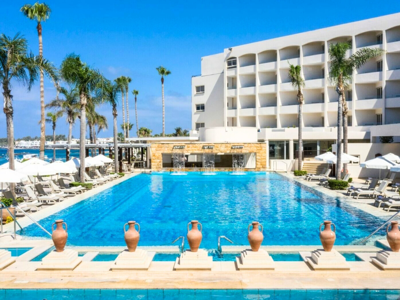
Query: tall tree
point(135, 93)
point(86, 80)
point(52, 119)
point(16, 63)
point(111, 97)
point(128, 80)
point(121, 83)
point(144, 132)
point(69, 106)
point(101, 124)
point(341, 70)
point(163, 72)
point(298, 84)
point(39, 12)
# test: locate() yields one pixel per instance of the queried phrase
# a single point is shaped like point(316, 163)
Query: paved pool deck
point(224, 275)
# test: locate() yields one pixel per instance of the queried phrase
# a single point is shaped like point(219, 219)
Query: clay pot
point(132, 236)
point(393, 236)
point(327, 236)
point(194, 235)
point(59, 235)
point(6, 214)
point(255, 236)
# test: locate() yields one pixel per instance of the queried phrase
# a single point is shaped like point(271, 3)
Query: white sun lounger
point(371, 186)
point(320, 174)
point(380, 190)
point(318, 177)
point(42, 199)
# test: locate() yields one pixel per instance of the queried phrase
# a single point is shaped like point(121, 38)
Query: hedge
point(299, 173)
point(338, 184)
point(85, 185)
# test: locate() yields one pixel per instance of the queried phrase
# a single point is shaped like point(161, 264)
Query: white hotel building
point(245, 92)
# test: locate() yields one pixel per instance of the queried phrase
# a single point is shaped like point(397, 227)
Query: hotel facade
point(244, 94)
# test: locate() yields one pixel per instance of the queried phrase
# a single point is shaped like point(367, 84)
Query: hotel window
point(200, 89)
point(379, 39)
point(379, 119)
point(199, 125)
point(232, 62)
point(199, 107)
point(349, 95)
point(379, 66)
point(349, 121)
point(379, 93)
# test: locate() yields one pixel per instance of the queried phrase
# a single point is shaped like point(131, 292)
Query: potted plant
point(5, 213)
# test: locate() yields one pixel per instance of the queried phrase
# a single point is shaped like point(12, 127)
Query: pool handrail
point(181, 248)
point(219, 242)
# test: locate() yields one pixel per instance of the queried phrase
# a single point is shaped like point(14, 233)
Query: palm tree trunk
point(94, 140)
point(123, 114)
point(339, 136)
point(300, 146)
point(345, 137)
point(70, 133)
point(163, 107)
point(82, 138)
point(54, 142)
point(91, 137)
point(42, 108)
point(137, 122)
point(127, 113)
point(115, 140)
point(8, 110)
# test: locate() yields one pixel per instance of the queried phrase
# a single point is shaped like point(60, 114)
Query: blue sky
point(132, 38)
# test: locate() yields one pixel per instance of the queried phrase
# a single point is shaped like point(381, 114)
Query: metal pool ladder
point(219, 243)
point(181, 248)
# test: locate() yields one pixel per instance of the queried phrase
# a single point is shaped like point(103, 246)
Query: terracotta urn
point(393, 236)
point(59, 235)
point(194, 235)
point(327, 236)
point(6, 214)
point(132, 235)
point(255, 236)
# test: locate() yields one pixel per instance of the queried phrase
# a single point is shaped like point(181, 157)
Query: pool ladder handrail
point(219, 242)
point(181, 248)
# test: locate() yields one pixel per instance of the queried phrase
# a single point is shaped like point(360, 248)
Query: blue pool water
point(224, 204)
point(200, 294)
point(60, 154)
point(16, 251)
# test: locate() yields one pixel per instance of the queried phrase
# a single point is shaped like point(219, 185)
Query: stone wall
point(157, 149)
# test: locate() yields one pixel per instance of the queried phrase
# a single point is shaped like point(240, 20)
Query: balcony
point(369, 104)
point(313, 108)
point(314, 59)
point(269, 66)
point(231, 113)
point(372, 46)
point(317, 83)
point(290, 109)
point(285, 63)
point(248, 90)
point(286, 86)
point(248, 69)
point(393, 75)
point(393, 102)
point(232, 92)
point(231, 72)
point(393, 47)
point(369, 77)
point(247, 112)
point(266, 89)
point(267, 110)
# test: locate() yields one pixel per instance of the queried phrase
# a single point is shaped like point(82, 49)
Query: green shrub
point(300, 173)
point(121, 174)
point(350, 180)
point(338, 184)
point(87, 185)
point(7, 202)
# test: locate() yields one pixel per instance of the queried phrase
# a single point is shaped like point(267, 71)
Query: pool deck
point(224, 275)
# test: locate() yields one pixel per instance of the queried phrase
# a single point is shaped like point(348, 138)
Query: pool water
point(224, 204)
point(16, 251)
point(351, 256)
point(200, 294)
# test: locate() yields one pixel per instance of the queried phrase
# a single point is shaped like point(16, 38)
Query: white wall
point(229, 135)
point(267, 100)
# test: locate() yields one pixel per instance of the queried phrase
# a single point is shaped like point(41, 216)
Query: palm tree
point(17, 64)
point(39, 12)
point(121, 83)
point(111, 97)
point(128, 80)
point(144, 132)
point(86, 80)
point(341, 70)
point(69, 106)
point(101, 123)
point(298, 83)
point(52, 119)
point(135, 93)
point(163, 72)
point(127, 126)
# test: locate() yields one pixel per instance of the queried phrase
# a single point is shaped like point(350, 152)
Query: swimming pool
point(224, 204)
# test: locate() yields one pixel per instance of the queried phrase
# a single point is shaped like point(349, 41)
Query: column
point(291, 150)
point(238, 104)
point(257, 88)
point(267, 153)
point(225, 98)
point(318, 148)
point(384, 70)
point(278, 88)
point(353, 89)
point(326, 95)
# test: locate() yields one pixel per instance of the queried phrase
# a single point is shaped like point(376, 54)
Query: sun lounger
point(106, 177)
point(380, 190)
point(319, 174)
point(42, 192)
point(25, 206)
point(318, 177)
point(391, 203)
point(74, 189)
point(42, 199)
point(391, 178)
point(93, 181)
point(371, 186)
